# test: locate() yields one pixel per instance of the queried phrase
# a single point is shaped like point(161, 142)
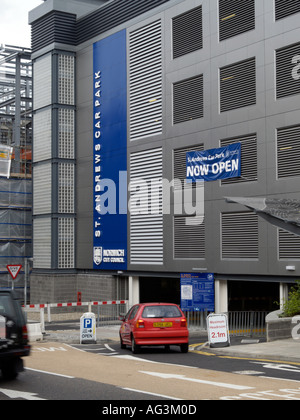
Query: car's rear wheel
point(184, 348)
point(134, 347)
point(11, 369)
point(123, 346)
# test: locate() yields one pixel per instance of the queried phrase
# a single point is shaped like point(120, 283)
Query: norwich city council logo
point(98, 255)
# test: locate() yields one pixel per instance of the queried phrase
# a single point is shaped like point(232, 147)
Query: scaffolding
point(15, 163)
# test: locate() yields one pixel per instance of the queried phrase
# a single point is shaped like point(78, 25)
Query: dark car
point(154, 324)
point(13, 335)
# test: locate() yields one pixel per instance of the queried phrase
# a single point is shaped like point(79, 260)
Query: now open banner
point(214, 164)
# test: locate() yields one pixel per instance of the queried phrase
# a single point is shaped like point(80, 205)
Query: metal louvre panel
point(179, 171)
point(42, 89)
point(288, 152)
point(42, 229)
point(145, 71)
point(189, 237)
point(239, 235)
point(54, 27)
point(248, 159)
point(286, 8)
point(146, 207)
point(238, 85)
point(188, 99)
point(42, 175)
point(289, 245)
point(236, 17)
point(42, 126)
point(286, 84)
point(111, 15)
point(187, 32)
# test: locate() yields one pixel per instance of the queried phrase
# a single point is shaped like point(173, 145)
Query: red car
point(154, 324)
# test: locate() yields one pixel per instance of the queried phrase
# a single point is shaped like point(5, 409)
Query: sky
point(14, 28)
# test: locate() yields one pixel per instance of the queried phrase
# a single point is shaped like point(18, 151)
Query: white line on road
point(200, 381)
point(152, 393)
point(50, 373)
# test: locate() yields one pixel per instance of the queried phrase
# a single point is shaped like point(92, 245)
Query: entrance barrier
point(107, 312)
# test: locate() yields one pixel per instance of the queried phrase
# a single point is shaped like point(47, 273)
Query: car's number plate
point(162, 324)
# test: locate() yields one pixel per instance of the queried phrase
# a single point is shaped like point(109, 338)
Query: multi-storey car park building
point(123, 90)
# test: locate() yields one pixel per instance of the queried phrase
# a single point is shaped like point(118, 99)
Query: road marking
point(248, 372)
point(109, 348)
point(30, 396)
point(199, 381)
point(152, 393)
point(51, 373)
point(287, 368)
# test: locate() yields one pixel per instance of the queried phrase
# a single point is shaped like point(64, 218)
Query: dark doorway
point(252, 296)
point(154, 289)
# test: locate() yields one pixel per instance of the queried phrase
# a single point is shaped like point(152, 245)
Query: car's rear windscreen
point(161, 311)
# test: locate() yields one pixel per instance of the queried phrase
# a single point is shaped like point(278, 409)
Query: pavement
point(242, 347)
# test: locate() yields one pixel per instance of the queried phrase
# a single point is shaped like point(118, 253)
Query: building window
point(236, 17)
point(188, 99)
point(66, 79)
point(238, 85)
point(187, 32)
point(248, 159)
point(239, 236)
point(66, 133)
point(286, 8)
point(288, 152)
point(289, 245)
point(66, 175)
point(288, 71)
point(66, 232)
point(145, 67)
point(189, 237)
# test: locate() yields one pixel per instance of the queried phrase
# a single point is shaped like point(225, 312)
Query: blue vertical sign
point(110, 153)
point(197, 292)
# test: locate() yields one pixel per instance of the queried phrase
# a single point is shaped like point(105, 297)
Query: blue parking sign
point(87, 323)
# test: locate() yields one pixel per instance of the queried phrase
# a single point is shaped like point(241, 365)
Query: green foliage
point(291, 306)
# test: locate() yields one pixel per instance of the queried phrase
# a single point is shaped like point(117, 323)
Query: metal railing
point(241, 323)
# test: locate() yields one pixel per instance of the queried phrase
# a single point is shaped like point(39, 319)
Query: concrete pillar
point(221, 296)
point(134, 290)
point(283, 293)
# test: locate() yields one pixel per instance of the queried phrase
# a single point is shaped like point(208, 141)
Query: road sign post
point(14, 270)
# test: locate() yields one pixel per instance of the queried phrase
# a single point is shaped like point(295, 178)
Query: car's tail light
point(183, 322)
point(140, 324)
point(24, 333)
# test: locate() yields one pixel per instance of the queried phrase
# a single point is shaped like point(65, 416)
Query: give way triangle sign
point(14, 270)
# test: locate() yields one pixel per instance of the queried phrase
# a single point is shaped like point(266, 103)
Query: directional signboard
point(14, 270)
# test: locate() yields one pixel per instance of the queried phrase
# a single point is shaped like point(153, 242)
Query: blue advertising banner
point(110, 153)
point(197, 292)
point(214, 164)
